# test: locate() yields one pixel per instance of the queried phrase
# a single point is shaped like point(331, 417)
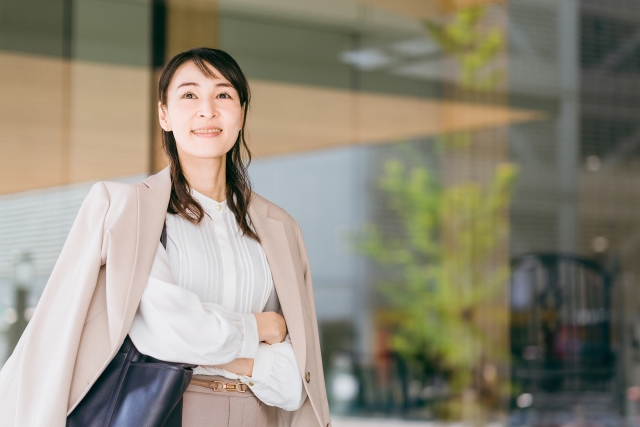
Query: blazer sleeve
point(314, 322)
point(36, 380)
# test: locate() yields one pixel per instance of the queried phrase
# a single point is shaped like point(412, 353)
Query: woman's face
point(203, 113)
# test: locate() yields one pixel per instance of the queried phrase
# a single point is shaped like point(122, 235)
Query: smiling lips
point(206, 131)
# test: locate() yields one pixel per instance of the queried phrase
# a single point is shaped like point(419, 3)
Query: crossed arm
point(272, 329)
point(173, 324)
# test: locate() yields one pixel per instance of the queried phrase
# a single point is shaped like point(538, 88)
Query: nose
point(207, 109)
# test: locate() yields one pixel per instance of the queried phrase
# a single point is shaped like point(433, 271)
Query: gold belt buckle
point(220, 386)
point(239, 387)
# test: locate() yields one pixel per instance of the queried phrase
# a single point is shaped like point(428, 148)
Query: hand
point(272, 328)
point(239, 366)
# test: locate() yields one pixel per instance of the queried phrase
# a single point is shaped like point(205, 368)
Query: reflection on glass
point(464, 173)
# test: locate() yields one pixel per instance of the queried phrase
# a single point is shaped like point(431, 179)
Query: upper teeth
point(207, 130)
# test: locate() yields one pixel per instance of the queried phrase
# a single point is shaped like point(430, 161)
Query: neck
point(206, 176)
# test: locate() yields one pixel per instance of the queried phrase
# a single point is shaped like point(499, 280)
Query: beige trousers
point(203, 407)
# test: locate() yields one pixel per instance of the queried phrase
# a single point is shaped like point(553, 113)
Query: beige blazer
point(90, 300)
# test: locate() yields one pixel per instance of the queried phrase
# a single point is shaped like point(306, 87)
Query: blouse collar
point(208, 203)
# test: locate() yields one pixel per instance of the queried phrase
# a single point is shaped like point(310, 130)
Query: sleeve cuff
point(250, 341)
point(262, 365)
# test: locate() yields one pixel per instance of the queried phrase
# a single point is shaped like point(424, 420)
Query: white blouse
point(222, 279)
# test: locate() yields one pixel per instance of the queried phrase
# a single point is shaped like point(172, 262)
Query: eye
point(189, 95)
point(224, 95)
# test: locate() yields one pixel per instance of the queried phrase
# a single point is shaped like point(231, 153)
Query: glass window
point(465, 175)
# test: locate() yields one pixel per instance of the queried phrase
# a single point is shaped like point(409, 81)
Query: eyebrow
point(223, 84)
point(187, 84)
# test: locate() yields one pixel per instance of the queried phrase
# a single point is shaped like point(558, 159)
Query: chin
point(210, 152)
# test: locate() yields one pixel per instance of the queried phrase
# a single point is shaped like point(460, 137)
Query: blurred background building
point(466, 174)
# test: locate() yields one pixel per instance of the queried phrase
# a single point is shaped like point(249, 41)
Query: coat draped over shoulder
point(92, 295)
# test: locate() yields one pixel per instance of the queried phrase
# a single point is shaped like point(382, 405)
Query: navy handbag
point(135, 391)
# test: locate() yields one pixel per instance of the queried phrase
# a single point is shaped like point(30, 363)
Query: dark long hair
point(237, 159)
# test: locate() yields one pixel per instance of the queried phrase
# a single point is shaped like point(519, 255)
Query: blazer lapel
point(276, 247)
point(153, 199)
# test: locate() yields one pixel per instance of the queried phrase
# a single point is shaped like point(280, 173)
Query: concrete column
point(568, 158)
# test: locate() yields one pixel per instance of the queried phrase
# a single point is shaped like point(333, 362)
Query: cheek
point(179, 119)
point(235, 117)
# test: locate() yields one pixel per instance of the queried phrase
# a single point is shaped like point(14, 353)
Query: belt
point(216, 385)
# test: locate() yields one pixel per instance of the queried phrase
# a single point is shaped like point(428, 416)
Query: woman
point(232, 260)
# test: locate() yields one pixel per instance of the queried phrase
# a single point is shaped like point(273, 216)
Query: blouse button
point(251, 384)
point(308, 377)
point(218, 207)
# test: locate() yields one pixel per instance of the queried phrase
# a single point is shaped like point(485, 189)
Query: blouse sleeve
point(276, 379)
point(173, 324)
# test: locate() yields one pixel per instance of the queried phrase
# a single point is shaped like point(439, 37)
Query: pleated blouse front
point(200, 300)
point(214, 261)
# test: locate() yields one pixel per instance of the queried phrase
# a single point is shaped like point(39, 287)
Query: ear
point(165, 123)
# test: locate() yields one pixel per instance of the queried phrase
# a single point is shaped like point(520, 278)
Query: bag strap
point(163, 236)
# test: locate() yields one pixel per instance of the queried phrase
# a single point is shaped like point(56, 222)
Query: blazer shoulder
point(115, 187)
point(120, 192)
point(274, 211)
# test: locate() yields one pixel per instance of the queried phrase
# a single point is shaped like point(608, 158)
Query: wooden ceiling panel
point(64, 122)
point(287, 118)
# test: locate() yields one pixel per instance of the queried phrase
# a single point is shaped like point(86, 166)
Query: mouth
point(207, 131)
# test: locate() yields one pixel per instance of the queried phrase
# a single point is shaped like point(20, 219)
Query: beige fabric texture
point(203, 407)
point(92, 295)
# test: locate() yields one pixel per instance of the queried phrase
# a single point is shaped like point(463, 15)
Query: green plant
point(449, 251)
point(473, 46)
point(444, 259)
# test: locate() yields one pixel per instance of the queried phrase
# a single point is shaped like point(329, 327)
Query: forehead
point(189, 72)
